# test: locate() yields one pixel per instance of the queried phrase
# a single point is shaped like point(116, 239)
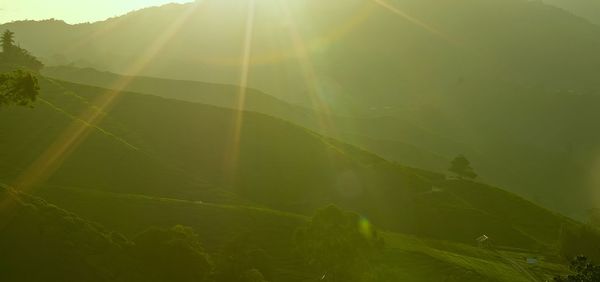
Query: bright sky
point(72, 11)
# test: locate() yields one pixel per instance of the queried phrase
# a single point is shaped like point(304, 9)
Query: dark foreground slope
point(42, 242)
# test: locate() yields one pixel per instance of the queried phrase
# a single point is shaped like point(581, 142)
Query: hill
point(505, 149)
point(511, 84)
point(279, 165)
point(300, 49)
point(588, 9)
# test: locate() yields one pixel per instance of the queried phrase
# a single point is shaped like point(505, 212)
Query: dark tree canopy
point(583, 271)
point(14, 57)
point(8, 41)
point(337, 245)
point(18, 88)
point(462, 167)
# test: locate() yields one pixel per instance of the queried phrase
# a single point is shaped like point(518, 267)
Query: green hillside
point(428, 135)
point(280, 165)
point(511, 84)
point(300, 141)
point(356, 131)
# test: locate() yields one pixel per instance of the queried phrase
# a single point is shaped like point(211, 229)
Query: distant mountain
point(352, 55)
point(588, 9)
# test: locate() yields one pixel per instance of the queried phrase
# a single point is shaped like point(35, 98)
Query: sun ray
point(231, 161)
point(413, 20)
point(52, 158)
point(320, 107)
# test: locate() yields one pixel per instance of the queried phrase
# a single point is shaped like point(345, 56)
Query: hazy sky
point(72, 11)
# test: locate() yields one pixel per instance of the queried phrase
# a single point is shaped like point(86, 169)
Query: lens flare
point(309, 74)
point(412, 19)
point(365, 228)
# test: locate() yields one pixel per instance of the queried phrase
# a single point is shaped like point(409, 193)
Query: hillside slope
point(506, 150)
point(511, 84)
point(157, 147)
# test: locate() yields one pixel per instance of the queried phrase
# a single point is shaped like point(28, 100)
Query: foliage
point(18, 88)
point(41, 242)
point(13, 56)
point(65, 247)
point(8, 41)
point(336, 245)
point(462, 167)
point(583, 271)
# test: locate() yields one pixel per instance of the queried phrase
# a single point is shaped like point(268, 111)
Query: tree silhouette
point(14, 57)
point(18, 88)
point(583, 271)
point(336, 246)
point(462, 167)
point(8, 41)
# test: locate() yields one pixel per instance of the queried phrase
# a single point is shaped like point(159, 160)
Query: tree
point(462, 167)
point(14, 57)
point(338, 245)
point(18, 88)
point(8, 41)
point(583, 271)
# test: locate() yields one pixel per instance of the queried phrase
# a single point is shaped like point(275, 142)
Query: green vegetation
point(13, 56)
point(17, 86)
point(462, 167)
point(584, 271)
point(280, 166)
point(316, 149)
point(338, 244)
point(169, 195)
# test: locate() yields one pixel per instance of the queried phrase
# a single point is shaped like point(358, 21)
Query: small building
point(483, 241)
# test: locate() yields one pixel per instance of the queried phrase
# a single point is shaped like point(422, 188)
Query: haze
point(72, 11)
